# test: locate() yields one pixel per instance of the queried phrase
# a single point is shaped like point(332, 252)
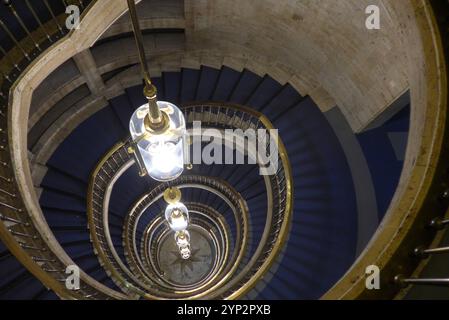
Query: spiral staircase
point(291, 235)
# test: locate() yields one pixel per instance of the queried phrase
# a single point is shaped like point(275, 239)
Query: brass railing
point(109, 169)
point(150, 254)
point(213, 185)
point(228, 285)
point(279, 188)
point(20, 232)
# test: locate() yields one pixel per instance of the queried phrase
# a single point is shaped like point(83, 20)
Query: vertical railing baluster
point(6, 205)
point(439, 223)
point(9, 219)
point(3, 51)
point(39, 21)
point(23, 25)
point(13, 38)
point(53, 16)
point(404, 282)
point(4, 75)
point(6, 192)
point(424, 253)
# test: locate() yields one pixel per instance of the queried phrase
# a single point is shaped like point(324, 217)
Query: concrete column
point(88, 68)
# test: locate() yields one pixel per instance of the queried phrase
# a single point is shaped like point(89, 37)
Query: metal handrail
point(102, 180)
point(279, 186)
point(222, 189)
point(13, 215)
point(203, 216)
point(281, 190)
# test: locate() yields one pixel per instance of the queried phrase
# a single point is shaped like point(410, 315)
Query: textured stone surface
point(324, 41)
point(428, 85)
point(321, 47)
point(19, 109)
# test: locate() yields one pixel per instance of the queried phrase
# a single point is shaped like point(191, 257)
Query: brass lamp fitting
point(172, 195)
point(156, 120)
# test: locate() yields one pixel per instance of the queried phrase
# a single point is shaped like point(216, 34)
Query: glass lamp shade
point(162, 152)
point(182, 238)
point(177, 216)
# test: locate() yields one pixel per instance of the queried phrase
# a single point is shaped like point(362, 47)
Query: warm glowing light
point(182, 239)
point(177, 216)
point(162, 150)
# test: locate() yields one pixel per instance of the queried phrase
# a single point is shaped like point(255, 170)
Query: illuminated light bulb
point(185, 253)
point(161, 150)
point(177, 216)
point(182, 239)
point(162, 156)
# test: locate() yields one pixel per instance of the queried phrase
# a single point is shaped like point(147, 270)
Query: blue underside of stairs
point(384, 148)
point(323, 236)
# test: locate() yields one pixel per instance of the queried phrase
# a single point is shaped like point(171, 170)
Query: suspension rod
point(149, 90)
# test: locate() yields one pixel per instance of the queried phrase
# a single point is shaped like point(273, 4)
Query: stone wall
point(323, 42)
point(321, 47)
